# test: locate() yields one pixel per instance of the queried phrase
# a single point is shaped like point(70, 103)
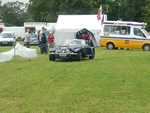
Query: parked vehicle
point(7, 38)
point(119, 34)
point(18, 32)
point(75, 49)
point(34, 39)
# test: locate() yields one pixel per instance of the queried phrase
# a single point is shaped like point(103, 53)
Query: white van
point(7, 38)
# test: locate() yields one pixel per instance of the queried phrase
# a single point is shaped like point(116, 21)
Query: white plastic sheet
point(20, 51)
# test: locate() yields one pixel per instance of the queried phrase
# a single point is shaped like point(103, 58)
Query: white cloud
point(5, 1)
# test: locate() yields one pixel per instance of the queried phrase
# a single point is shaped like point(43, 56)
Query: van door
point(138, 38)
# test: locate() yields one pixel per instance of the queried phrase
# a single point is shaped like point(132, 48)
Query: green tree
point(131, 10)
point(0, 10)
point(13, 13)
point(146, 15)
point(43, 10)
point(48, 10)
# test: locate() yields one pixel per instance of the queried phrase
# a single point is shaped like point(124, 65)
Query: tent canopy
point(68, 24)
point(76, 22)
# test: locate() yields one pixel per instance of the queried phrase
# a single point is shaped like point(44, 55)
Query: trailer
point(19, 32)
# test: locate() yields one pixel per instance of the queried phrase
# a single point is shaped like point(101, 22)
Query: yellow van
point(119, 34)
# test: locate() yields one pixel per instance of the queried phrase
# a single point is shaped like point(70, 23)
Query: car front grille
point(63, 50)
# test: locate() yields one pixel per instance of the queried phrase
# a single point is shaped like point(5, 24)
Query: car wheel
point(52, 57)
point(146, 47)
point(79, 56)
point(92, 56)
point(110, 46)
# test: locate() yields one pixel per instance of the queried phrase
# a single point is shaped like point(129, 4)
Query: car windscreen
point(72, 42)
point(6, 35)
point(33, 35)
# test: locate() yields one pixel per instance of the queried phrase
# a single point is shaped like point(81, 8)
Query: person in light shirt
point(27, 38)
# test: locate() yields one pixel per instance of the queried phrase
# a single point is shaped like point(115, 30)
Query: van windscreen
point(6, 35)
point(146, 32)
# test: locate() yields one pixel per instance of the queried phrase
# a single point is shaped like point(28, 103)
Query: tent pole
point(16, 57)
point(15, 51)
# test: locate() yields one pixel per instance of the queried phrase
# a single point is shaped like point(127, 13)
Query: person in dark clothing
point(78, 35)
point(88, 36)
point(43, 43)
point(39, 35)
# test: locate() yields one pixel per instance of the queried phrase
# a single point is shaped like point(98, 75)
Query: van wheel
point(110, 46)
point(146, 47)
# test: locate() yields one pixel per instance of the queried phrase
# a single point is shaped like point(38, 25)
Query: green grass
point(116, 81)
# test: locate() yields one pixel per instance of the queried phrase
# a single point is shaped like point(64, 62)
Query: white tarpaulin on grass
point(20, 51)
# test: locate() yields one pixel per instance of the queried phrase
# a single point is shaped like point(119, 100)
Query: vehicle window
point(138, 32)
point(77, 42)
point(33, 35)
point(116, 30)
point(6, 35)
point(73, 42)
point(146, 32)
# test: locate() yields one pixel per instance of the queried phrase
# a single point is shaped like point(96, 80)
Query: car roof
point(7, 32)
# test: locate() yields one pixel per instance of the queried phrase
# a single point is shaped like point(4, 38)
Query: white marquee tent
point(67, 25)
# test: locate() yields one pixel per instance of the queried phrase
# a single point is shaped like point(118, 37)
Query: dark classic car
point(72, 49)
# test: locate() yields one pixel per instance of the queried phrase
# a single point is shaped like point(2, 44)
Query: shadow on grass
point(73, 60)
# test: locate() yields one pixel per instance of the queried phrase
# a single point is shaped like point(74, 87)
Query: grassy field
point(116, 81)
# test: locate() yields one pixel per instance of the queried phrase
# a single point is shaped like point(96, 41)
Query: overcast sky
point(5, 1)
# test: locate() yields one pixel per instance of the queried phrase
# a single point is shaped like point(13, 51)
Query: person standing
point(43, 42)
point(88, 36)
point(51, 40)
point(46, 34)
point(27, 38)
point(83, 36)
point(40, 35)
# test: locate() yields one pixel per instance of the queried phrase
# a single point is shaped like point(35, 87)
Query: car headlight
point(59, 50)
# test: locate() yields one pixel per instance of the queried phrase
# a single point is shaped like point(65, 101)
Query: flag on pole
point(102, 19)
point(99, 13)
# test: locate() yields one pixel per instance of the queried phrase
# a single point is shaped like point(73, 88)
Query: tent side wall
point(67, 25)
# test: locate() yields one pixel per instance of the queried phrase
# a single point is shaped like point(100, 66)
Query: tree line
point(16, 13)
